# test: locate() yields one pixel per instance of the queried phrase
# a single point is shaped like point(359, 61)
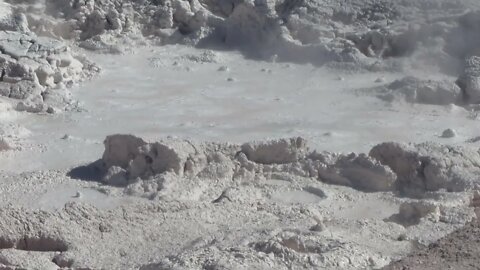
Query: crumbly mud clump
point(410, 169)
point(416, 90)
point(302, 31)
point(36, 69)
point(469, 81)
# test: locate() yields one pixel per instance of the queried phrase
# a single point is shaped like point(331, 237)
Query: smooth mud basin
point(132, 97)
point(56, 199)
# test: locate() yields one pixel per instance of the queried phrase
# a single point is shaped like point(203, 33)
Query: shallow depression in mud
point(305, 195)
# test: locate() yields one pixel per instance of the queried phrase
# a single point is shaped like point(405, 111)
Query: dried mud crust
point(459, 250)
point(259, 205)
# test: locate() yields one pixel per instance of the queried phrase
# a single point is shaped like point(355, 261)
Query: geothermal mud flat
point(237, 134)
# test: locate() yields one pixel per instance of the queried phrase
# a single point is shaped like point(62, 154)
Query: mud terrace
point(239, 134)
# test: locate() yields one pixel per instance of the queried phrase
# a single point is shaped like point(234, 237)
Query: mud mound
point(410, 169)
point(129, 157)
point(281, 151)
point(430, 167)
point(416, 90)
point(360, 172)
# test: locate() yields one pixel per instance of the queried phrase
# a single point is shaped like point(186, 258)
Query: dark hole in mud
point(36, 243)
point(148, 159)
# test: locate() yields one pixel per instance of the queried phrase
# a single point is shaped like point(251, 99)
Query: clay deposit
point(239, 134)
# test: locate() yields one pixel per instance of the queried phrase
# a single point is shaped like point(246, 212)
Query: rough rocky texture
point(415, 90)
point(278, 151)
point(410, 169)
point(250, 227)
point(469, 81)
point(412, 213)
point(120, 150)
point(177, 204)
point(240, 213)
point(35, 69)
point(430, 167)
point(304, 31)
point(12, 135)
point(9, 20)
point(458, 250)
point(360, 172)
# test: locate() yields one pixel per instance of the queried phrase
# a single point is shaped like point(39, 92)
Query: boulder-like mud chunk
point(32, 105)
point(416, 90)
point(116, 176)
point(120, 150)
point(20, 90)
point(128, 157)
point(469, 81)
point(430, 166)
point(160, 157)
point(359, 172)
point(31, 65)
point(279, 151)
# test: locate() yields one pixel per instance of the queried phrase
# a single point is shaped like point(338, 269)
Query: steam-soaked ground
point(244, 116)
